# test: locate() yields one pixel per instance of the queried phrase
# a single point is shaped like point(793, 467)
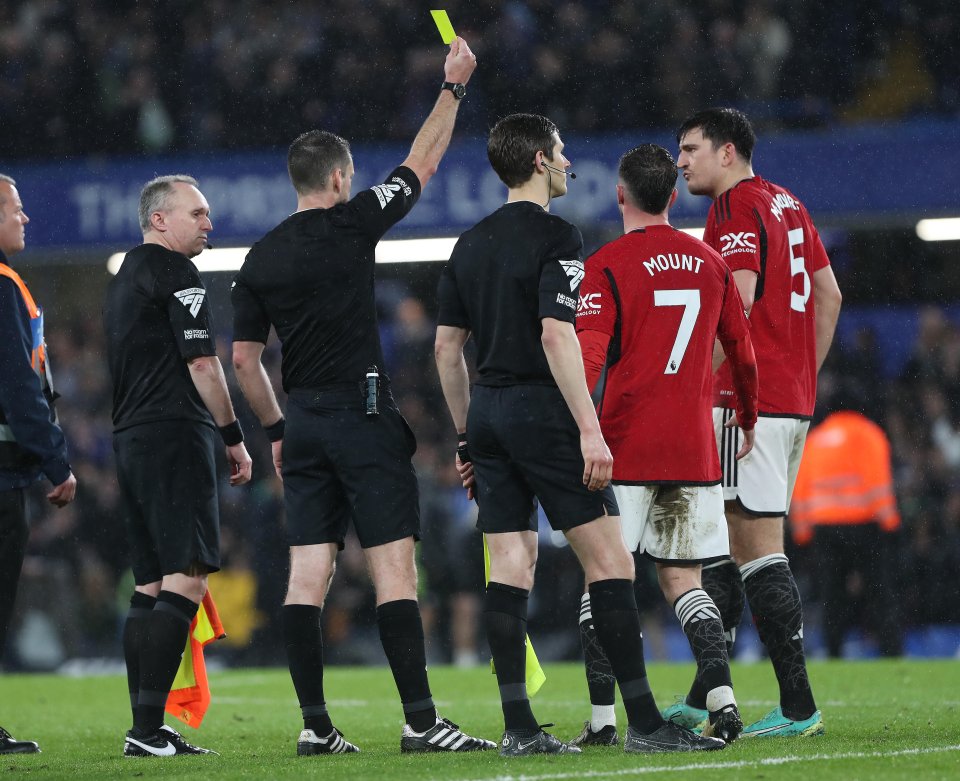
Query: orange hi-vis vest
point(845, 477)
point(38, 360)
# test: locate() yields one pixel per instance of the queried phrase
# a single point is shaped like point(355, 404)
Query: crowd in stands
point(125, 76)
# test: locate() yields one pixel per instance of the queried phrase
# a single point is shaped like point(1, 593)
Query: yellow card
point(442, 21)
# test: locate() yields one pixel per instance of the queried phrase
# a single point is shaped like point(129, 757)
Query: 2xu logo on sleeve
point(192, 298)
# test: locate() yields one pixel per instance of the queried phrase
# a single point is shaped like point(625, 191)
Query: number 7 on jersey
point(690, 301)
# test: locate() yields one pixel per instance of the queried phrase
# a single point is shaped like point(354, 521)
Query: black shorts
point(525, 445)
point(168, 489)
point(339, 463)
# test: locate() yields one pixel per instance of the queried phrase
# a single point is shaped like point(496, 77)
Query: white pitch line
point(770, 761)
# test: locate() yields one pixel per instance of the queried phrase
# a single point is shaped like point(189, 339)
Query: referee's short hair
point(649, 175)
point(723, 126)
point(313, 156)
point(514, 142)
point(155, 195)
point(8, 179)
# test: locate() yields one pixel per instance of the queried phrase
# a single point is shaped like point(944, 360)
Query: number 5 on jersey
point(690, 301)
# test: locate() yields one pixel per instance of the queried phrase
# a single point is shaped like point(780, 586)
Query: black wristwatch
point(458, 90)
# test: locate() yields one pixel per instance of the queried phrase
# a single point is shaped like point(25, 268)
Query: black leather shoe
point(10, 745)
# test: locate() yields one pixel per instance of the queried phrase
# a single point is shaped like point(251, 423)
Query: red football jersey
point(662, 297)
point(759, 226)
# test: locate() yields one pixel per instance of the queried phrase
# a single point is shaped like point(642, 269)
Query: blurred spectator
point(107, 77)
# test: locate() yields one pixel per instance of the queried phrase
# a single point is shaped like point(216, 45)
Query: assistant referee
point(346, 451)
point(169, 399)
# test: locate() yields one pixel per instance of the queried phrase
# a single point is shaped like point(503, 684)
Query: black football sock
point(601, 682)
point(303, 638)
point(401, 633)
point(617, 623)
point(724, 586)
point(505, 618)
point(134, 634)
point(775, 603)
point(163, 646)
point(701, 624)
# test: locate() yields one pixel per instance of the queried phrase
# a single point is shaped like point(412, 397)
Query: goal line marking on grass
point(745, 763)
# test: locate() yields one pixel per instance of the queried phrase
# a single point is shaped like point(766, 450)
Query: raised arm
point(434, 137)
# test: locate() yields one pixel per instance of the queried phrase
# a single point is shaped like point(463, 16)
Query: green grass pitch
point(884, 720)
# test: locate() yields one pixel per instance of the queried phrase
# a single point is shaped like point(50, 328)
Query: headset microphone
point(568, 172)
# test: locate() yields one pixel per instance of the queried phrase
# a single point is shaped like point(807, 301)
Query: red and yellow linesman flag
point(536, 677)
point(190, 694)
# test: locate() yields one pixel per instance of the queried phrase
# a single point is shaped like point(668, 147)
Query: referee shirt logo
point(574, 270)
point(192, 298)
point(385, 193)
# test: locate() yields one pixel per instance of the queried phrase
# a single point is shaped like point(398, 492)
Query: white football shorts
point(674, 523)
point(762, 482)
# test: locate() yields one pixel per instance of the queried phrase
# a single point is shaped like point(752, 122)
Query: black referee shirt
point(156, 318)
point(509, 271)
point(311, 277)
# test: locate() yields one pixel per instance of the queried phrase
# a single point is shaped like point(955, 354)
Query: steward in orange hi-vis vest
point(845, 478)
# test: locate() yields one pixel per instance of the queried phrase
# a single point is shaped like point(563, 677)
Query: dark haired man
point(344, 451)
point(791, 296)
point(652, 305)
point(529, 432)
point(32, 445)
point(169, 399)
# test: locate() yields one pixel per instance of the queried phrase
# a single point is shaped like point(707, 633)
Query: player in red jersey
point(791, 296)
point(652, 305)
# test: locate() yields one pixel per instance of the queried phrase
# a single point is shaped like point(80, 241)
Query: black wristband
point(462, 437)
point(232, 434)
point(463, 453)
point(275, 432)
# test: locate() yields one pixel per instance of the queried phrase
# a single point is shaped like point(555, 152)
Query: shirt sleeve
point(737, 238)
point(560, 275)
point(452, 312)
point(21, 395)
point(181, 289)
point(383, 205)
point(250, 320)
point(597, 310)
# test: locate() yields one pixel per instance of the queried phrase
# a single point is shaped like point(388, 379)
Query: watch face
point(459, 91)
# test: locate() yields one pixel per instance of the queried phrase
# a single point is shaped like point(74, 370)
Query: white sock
point(602, 716)
point(719, 698)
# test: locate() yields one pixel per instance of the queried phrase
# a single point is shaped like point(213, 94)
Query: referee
point(345, 452)
point(530, 432)
point(169, 399)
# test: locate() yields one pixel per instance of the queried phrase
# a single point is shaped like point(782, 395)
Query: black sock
point(303, 638)
point(163, 646)
point(724, 586)
point(701, 624)
point(401, 633)
point(617, 623)
point(134, 633)
point(601, 682)
point(505, 618)
point(775, 603)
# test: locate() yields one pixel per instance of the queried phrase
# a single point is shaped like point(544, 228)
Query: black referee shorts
point(168, 489)
point(339, 463)
point(525, 445)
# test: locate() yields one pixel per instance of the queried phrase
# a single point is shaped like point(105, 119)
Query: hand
point(240, 464)
point(63, 494)
point(277, 448)
point(748, 440)
point(466, 476)
point(597, 461)
point(748, 437)
point(460, 62)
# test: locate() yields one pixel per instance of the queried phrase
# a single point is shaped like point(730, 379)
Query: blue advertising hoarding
point(898, 173)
